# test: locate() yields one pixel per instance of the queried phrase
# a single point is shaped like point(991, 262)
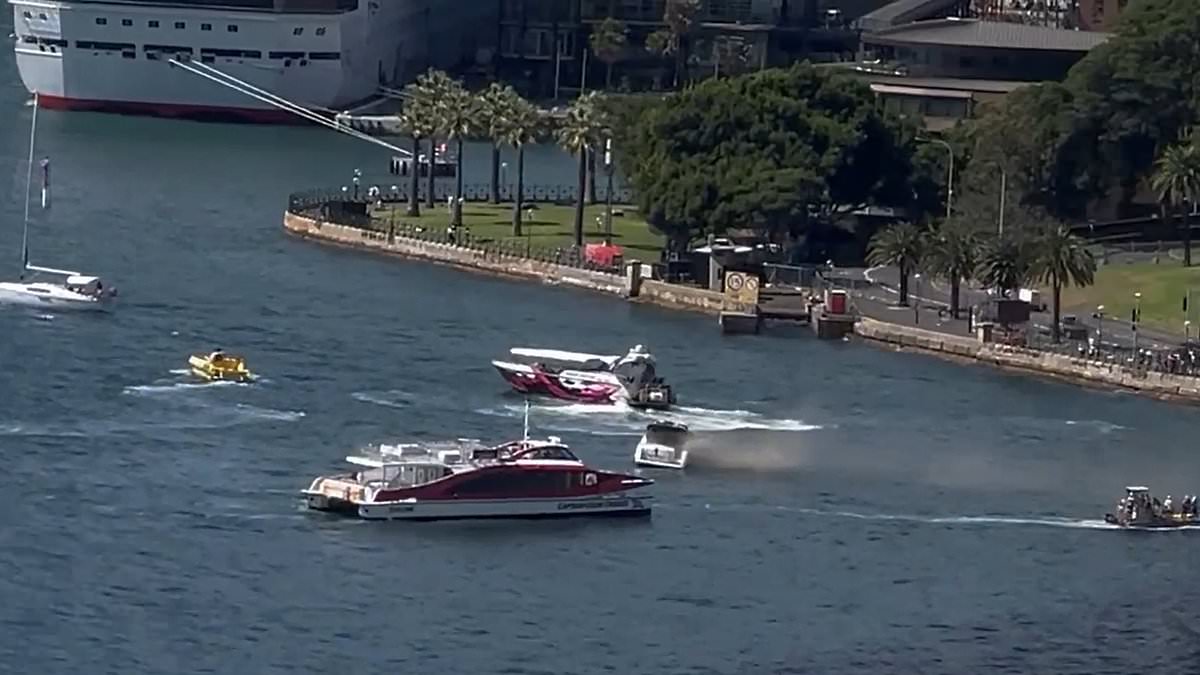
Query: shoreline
point(637, 290)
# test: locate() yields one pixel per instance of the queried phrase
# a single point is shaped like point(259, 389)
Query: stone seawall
point(1097, 373)
point(472, 259)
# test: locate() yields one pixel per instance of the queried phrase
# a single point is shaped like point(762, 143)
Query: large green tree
point(1137, 91)
point(952, 253)
point(607, 42)
point(493, 106)
point(903, 246)
point(1061, 259)
point(578, 132)
point(777, 150)
point(524, 122)
point(1176, 182)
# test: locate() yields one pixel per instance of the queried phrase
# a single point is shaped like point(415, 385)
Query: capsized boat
point(1138, 509)
point(588, 378)
point(663, 446)
point(467, 479)
point(218, 365)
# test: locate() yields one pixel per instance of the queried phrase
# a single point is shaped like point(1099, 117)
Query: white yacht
point(663, 446)
point(72, 290)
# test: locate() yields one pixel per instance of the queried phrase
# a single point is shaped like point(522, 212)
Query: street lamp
point(1187, 331)
point(1137, 316)
point(357, 177)
point(608, 167)
point(917, 300)
point(1099, 326)
point(949, 171)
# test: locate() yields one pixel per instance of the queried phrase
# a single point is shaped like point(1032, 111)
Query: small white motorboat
point(663, 446)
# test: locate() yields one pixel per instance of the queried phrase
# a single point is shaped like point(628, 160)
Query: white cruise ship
point(114, 56)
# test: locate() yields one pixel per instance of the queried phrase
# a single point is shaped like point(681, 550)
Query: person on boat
point(1166, 506)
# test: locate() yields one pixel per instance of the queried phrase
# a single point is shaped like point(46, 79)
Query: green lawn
point(551, 225)
point(1162, 286)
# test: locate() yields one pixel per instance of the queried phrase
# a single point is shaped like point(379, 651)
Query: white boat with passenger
point(1139, 509)
point(663, 446)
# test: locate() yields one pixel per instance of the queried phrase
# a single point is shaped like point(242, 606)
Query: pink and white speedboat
point(588, 378)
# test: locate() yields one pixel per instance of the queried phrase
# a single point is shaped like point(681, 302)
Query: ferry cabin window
point(152, 23)
point(27, 14)
point(324, 56)
point(126, 22)
point(101, 21)
point(515, 482)
point(297, 31)
point(232, 28)
point(179, 25)
point(321, 30)
point(206, 26)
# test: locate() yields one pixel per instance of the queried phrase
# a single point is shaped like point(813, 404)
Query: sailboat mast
point(28, 186)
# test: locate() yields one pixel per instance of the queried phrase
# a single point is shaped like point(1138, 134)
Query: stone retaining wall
point(1034, 361)
point(651, 291)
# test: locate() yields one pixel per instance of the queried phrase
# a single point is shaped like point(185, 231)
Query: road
point(885, 282)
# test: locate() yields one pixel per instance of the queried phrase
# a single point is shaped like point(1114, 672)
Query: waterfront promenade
point(926, 328)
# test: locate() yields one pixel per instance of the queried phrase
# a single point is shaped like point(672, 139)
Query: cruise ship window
point(126, 22)
point(297, 31)
point(27, 14)
point(42, 16)
point(179, 25)
point(152, 23)
point(321, 30)
point(206, 26)
point(232, 28)
point(101, 21)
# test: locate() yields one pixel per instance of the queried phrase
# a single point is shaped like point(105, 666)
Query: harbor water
point(850, 510)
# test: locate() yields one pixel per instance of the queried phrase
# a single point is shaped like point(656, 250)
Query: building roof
point(903, 11)
point(976, 33)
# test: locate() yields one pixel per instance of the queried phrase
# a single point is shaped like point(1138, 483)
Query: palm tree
point(522, 126)
point(432, 87)
point(577, 133)
point(1061, 259)
point(608, 40)
point(1005, 263)
point(416, 120)
point(901, 245)
point(1176, 181)
point(493, 112)
point(680, 17)
point(953, 255)
point(458, 113)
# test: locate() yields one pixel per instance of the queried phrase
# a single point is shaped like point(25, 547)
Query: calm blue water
point(875, 512)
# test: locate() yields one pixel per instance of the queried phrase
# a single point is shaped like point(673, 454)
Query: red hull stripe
point(172, 110)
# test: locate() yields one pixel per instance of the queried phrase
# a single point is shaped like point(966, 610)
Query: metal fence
point(396, 189)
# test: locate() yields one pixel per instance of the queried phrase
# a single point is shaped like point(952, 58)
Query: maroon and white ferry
point(588, 378)
point(466, 479)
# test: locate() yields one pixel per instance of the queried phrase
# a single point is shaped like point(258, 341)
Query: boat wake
point(391, 398)
point(174, 387)
point(200, 418)
point(621, 420)
point(1097, 425)
point(987, 520)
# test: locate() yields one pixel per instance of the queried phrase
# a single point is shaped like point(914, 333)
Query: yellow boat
point(220, 366)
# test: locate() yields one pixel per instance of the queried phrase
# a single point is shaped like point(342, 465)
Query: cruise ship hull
point(117, 57)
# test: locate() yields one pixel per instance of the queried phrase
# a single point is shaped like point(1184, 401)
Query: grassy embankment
point(1162, 286)
point(550, 226)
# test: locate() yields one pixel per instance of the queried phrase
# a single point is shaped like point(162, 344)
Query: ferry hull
point(447, 509)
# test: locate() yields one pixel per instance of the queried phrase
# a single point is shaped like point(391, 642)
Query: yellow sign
point(741, 288)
